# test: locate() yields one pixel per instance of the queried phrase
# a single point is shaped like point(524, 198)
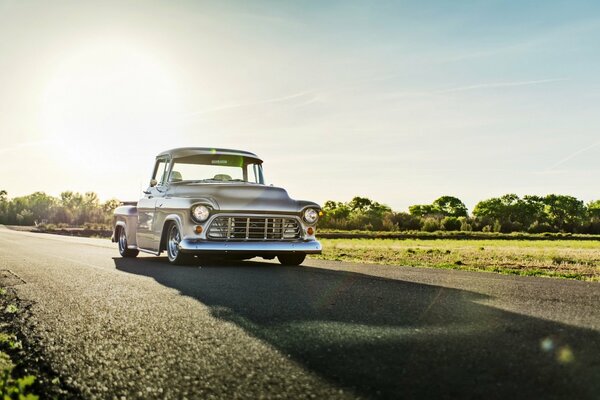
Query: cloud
point(494, 85)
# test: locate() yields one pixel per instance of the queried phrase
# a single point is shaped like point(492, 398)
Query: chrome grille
point(254, 228)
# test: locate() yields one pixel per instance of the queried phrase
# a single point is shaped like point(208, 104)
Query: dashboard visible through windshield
point(217, 168)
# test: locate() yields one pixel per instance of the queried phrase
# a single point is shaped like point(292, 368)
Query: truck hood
point(241, 197)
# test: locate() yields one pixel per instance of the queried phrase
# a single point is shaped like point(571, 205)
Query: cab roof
point(193, 151)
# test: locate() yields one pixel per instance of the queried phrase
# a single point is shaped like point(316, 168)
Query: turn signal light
point(310, 230)
point(198, 229)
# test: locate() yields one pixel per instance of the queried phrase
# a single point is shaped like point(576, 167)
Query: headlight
point(200, 213)
point(311, 215)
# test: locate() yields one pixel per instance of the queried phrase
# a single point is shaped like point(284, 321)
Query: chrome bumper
point(258, 247)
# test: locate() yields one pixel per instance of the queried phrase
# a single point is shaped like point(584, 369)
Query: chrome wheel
point(122, 241)
point(124, 249)
point(173, 243)
point(173, 252)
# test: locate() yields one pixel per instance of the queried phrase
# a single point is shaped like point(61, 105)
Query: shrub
point(540, 227)
point(465, 226)
point(430, 225)
point(388, 222)
point(497, 226)
point(406, 222)
point(450, 224)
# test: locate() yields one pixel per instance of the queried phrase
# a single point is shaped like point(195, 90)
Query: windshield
point(217, 168)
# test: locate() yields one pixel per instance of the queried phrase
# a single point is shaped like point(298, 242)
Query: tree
point(360, 204)
point(445, 206)
point(508, 213)
point(359, 213)
point(421, 210)
point(109, 206)
point(450, 206)
point(593, 217)
point(566, 213)
point(3, 206)
point(533, 213)
point(41, 205)
point(335, 210)
point(593, 209)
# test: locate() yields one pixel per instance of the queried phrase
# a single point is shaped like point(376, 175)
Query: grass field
point(552, 258)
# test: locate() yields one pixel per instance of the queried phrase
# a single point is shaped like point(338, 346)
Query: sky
point(401, 101)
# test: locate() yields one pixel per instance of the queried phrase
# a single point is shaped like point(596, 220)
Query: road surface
point(141, 328)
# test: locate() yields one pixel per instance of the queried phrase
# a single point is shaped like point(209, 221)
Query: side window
point(160, 171)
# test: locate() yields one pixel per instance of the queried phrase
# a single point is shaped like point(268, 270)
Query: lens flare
point(547, 344)
point(564, 355)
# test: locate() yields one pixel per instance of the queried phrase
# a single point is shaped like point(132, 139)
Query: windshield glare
point(217, 168)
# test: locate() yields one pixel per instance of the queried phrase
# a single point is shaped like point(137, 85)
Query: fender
point(163, 236)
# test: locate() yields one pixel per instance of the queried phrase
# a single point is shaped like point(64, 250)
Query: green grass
point(569, 259)
point(11, 309)
point(12, 386)
point(340, 234)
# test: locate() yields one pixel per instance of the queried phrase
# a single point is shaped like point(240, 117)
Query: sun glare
point(106, 95)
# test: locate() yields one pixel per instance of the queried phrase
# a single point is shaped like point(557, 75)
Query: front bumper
point(249, 247)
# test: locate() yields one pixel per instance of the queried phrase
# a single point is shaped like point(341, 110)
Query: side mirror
point(153, 182)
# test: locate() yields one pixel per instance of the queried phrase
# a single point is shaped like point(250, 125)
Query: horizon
point(398, 103)
point(469, 207)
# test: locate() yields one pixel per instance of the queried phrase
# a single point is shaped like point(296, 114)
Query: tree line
point(506, 214)
point(69, 209)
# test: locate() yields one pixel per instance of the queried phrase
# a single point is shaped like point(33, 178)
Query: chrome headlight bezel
point(310, 216)
point(200, 213)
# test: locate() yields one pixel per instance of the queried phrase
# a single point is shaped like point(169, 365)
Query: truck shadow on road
point(391, 338)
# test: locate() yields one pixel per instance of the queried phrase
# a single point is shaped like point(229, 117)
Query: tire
point(124, 251)
point(175, 256)
point(291, 259)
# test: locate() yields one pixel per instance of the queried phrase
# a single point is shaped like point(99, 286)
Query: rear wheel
point(291, 259)
point(173, 252)
point(123, 249)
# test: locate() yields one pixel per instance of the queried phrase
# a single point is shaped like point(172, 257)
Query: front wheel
point(124, 250)
point(173, 252)
point(291, 259)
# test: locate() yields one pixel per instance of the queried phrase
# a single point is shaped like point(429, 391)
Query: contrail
point(240, 105)
point(573, 155)
point(501, 84)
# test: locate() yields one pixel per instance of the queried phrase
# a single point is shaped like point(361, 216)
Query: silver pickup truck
point(204, 201)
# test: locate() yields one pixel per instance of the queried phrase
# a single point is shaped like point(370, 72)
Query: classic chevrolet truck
point(204, 201)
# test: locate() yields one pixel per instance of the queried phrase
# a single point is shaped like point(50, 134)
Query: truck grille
point(254, 228)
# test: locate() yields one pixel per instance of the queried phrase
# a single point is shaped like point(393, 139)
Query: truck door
point(146, 238)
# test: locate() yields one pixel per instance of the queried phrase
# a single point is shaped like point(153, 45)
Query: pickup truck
point(206, 201)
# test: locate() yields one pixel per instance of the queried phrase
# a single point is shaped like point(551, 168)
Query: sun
point(106, 94)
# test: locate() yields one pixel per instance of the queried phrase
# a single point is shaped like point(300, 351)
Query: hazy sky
point(398, 101)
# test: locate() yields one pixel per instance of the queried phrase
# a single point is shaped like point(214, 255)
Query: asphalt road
point(141, 328)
